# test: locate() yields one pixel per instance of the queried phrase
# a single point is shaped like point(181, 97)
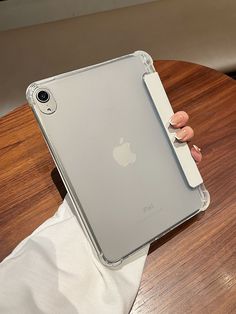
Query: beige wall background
point(21, 13)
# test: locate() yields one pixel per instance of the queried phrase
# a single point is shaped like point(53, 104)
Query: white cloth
point(55, 271)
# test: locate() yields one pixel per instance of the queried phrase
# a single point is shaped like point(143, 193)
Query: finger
point(179, 119)
point(196, 153)
point(185, 134)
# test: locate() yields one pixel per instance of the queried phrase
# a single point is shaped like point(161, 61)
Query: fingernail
point(176, 119)
point(196, 148)
point(180, 135)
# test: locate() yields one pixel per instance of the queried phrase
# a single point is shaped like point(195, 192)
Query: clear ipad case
point(107, 128)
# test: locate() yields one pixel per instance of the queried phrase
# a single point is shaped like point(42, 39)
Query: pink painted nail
point(176, 119)
point(180, 135)
point(197, 148)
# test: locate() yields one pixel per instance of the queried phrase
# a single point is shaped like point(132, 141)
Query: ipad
point(113, 154)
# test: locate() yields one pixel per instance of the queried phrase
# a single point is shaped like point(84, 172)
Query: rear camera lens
point(43, 96)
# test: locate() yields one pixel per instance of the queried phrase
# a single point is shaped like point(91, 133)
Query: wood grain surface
point(193, 268)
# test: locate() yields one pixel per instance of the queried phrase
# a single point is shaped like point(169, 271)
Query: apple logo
point(123, 154)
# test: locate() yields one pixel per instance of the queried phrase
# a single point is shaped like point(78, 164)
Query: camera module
point(43, 96)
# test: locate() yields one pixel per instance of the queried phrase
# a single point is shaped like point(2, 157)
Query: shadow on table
point(155, 245)
point(56, 178)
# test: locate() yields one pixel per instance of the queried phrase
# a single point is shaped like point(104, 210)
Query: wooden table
point(192, 269)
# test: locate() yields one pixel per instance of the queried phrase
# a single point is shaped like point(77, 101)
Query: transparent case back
point(113, 153)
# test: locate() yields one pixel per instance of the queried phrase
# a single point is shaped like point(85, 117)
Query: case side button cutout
point(165, 111)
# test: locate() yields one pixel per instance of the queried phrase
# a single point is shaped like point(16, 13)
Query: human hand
point(179, 121)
